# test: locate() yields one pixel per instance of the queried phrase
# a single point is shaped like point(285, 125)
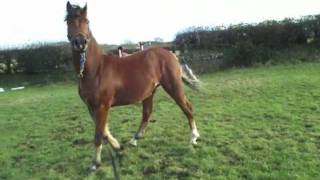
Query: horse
point(121, 53)
point(106, 82)
point(141, 46)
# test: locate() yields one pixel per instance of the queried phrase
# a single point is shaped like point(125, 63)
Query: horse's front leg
point(100, 115)
point(104, 128)
point(96, 117)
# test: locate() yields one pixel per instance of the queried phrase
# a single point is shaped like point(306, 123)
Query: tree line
point(246, 44)
point(234, 45)
point(35, 58)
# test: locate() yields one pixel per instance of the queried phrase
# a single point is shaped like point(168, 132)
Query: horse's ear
point(84, 10)
point(69, 6)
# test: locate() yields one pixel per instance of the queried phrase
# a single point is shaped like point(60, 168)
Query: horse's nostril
point(76, 42)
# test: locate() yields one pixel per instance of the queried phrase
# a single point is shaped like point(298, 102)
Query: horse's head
point(78, 27)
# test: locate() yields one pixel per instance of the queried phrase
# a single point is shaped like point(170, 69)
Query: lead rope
point(115, 165)
point(83, 59)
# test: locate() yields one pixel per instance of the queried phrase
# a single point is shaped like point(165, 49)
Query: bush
point(245, 54)
point(249, 44)
point(270, 34)
point(37, 58)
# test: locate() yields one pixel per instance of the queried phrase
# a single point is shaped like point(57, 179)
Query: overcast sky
point(114, 22)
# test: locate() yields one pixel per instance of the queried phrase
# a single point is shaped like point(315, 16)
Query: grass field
point(261, 123)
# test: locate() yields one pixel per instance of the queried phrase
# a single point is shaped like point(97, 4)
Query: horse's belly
point(125, 100)
point(133, 95)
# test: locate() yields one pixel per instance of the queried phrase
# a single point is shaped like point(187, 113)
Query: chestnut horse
point(105, 81)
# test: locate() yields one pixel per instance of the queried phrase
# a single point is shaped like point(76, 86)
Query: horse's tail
point(189, 78)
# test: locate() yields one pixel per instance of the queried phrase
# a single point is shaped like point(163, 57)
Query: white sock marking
point(194, 136)
point(98, 154)
point(133, 142)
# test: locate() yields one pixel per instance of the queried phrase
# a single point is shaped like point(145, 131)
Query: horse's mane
point(74, 13)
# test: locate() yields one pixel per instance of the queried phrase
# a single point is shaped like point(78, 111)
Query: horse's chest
point(89, 95)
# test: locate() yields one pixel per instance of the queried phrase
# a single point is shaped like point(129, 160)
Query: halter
point(83, 55)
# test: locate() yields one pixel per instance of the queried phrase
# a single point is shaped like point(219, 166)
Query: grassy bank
point(259, 123)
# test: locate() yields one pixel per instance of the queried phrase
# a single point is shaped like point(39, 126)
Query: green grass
point(261, 123)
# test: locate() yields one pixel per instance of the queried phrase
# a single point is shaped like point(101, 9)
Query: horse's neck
point(94, 54)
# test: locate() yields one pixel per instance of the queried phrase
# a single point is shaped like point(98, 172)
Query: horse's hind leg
point(147, 110)
point(174, 87)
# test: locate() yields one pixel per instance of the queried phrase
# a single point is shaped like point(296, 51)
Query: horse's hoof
point(119, 156)
point(194, 141)
point(120, 151)
point(133, 142)
point(95, 166)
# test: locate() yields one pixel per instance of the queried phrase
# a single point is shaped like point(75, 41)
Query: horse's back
point(153, 52)
point(148, 59)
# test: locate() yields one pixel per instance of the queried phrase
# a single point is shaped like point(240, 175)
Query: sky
point(116, 22)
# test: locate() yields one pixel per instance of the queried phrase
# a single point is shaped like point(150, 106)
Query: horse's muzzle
point(79, 43)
